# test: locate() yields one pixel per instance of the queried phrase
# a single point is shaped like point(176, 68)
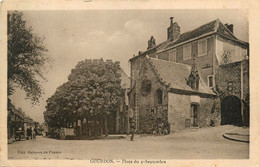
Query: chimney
point(230, 27)
point(173, 32)
point(151, 43)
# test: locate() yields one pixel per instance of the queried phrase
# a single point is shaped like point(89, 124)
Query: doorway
point(194, 115)
point(231, 111)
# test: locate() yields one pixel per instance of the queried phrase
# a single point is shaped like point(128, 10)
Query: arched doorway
point(231, 111)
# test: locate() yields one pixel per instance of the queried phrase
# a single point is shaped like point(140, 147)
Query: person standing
point(30, 133)
point(132, 130)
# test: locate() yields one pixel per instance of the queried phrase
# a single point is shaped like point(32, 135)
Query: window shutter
point(172, 55)
point(187, 52)
point(202, 47)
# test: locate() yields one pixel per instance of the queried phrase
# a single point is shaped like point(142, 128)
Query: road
point(204, 143)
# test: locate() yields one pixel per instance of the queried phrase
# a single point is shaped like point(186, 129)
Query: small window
point(202, 47)
point(146, 87)
point(172, 55)
point(187, 52)
point(159, 96)
point(211, 81)
point(152, 111)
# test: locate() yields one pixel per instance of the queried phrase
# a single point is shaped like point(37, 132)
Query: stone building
point(119, 123)
point(192, 79)
point(17, 123)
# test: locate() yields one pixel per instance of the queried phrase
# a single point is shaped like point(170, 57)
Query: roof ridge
point(229, 31)
point(217, 25)
point(199, 27)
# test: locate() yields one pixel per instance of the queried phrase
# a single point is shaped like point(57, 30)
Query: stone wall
point(149, 110)
point(179, 111)
point(228, 80)
point(209, 112)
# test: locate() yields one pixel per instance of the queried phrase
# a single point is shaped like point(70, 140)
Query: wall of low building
point(179, 111)
point(207, 112)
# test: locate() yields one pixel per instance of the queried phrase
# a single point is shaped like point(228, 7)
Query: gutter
point(187, 92)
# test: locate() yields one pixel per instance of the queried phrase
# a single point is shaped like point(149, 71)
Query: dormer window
point(202, 47)
point(194, 78)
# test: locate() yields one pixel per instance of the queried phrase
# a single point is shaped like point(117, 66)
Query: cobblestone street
point(206, 143)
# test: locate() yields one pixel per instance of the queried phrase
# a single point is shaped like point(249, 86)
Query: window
point(159, 96)
point(152, 111)
point(202, 47)
point(146, 87)
point(187, 52)
point(211, 81)
point(172, 55)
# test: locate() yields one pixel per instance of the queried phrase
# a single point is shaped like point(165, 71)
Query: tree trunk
point(87, 127)
point(82, 128)
point(95, 126)
point(102, 127)
point(106, 130)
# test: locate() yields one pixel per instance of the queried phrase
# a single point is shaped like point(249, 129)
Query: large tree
point(93, 91)
point(26, 59)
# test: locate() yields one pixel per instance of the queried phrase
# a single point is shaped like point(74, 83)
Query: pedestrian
point(30, 133)
point(34, 133)
point(27, 133)
point(132, 130)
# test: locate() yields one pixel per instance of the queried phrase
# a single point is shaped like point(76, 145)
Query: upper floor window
point(202, 47)
point(172, 55)
point(211, 81)
point(146, 87)
point(187, 52)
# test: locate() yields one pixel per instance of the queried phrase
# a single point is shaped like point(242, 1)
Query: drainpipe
point(242, 91)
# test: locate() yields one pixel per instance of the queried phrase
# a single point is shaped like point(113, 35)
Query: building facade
point(17, 123)
point(222, 64)
point(118, 122)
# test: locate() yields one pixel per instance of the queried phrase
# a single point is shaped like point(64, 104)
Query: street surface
point(204, 143)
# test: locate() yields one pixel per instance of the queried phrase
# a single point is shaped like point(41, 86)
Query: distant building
point(17, 123)
point(14, 122)
point(119, 123)
point(196, 78)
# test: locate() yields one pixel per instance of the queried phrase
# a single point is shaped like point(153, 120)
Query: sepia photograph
point(115, 86)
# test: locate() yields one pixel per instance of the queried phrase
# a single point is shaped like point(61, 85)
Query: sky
point(72, 36)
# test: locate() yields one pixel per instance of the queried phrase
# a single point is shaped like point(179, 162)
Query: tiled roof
point(176, 74)
point(212, 27)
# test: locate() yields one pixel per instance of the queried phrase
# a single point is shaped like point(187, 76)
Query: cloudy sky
point(72, 36)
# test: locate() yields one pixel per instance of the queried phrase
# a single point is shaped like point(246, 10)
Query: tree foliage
point(26, 59)
point(93, 91)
